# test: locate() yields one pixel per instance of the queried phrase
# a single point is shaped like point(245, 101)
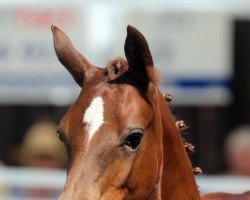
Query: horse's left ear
point(138, 56)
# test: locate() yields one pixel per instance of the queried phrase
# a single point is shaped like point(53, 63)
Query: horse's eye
point(134, 139)
point(60, 135)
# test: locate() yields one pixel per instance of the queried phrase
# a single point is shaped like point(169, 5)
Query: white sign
point(191, 50)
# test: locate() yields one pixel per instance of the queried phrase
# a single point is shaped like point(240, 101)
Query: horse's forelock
point(119, 66)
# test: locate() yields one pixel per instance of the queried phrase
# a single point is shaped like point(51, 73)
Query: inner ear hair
point(116, 68)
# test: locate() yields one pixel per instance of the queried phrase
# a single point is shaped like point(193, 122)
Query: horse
point(122, 140)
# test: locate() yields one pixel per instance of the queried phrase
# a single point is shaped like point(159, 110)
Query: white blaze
point(94, 115)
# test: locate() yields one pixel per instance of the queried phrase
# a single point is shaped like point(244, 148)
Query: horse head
point(121, 137)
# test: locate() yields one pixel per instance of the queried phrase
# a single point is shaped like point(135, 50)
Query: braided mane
point(181, 126)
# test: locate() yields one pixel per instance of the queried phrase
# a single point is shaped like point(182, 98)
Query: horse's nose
point(78, 190)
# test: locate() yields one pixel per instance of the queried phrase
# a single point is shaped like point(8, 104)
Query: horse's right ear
point(138, 56)
point(74, 62)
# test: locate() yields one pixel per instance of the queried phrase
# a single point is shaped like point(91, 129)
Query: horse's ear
point(138, 55)
point(74, 62)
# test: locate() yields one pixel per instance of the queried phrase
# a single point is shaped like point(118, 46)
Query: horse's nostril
point(133, 140)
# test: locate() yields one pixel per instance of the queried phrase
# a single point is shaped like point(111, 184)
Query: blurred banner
point(191, 49)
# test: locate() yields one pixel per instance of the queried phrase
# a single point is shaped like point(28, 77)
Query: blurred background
point(201, 48)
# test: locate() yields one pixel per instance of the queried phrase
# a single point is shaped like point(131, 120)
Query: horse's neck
point(177, 181)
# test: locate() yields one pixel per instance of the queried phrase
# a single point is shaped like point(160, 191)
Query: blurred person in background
point(237, 151)
point(41, 148)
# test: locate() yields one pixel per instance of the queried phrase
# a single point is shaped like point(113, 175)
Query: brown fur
point(104, 168)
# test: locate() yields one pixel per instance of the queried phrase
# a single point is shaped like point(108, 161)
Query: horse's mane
point(181, 126)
